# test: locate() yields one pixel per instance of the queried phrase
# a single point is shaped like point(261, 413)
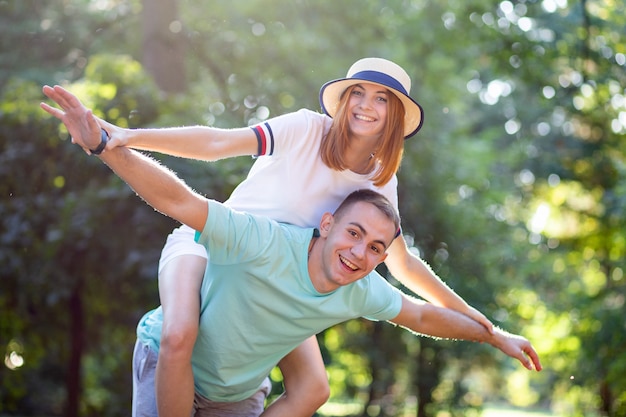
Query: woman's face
point(367, 109)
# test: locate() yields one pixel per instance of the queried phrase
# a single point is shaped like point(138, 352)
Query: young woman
point(307, 163)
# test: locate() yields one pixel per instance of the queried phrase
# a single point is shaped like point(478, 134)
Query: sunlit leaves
point(514, 190)
point(519, 389)
point(565, 210)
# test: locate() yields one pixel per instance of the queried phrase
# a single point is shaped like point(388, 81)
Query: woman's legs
point(305, 380)
point(179, 288)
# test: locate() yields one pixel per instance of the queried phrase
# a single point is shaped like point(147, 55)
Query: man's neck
point(311, 244)
point(315, 266)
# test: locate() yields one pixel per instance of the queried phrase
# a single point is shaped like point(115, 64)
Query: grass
point(495, 411)
point(341, 410)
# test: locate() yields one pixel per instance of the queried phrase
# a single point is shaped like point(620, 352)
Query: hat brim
point(330, 93)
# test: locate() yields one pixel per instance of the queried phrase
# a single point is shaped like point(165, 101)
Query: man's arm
point(157, 185)
point(427, 319)
point(417, 276)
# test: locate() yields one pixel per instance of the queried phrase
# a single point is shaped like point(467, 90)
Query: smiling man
point(269, 286)
point(347, 257)
point(273, 285)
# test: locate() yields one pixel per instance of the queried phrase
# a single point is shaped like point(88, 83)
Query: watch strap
point(104, 138)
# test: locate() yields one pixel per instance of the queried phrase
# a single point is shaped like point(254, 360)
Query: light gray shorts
point(144, 395)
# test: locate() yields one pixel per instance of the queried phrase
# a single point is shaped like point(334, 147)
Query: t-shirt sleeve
point(384, 301)
point(281, 134)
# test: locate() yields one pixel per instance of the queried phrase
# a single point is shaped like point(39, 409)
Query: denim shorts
point(144, 394)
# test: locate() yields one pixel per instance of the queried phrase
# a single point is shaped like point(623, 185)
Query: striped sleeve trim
point(265, 139)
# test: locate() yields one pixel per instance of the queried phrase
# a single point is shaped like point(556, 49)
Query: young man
point(270, 285)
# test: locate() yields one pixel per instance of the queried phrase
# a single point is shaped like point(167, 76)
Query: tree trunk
point(163, 45)
point(77, 339)
point(428, 374)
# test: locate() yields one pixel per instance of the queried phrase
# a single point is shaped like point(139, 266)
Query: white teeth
point(364, 118)
point(348, 263)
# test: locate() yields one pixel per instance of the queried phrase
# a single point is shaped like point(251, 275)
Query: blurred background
point(514, 190)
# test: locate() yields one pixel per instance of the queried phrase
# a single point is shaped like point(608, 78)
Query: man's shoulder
point(296, 233)
point(222, 212)
point(233, 236)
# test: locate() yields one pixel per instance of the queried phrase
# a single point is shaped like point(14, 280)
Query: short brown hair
point(389, 154)
point(372, 197)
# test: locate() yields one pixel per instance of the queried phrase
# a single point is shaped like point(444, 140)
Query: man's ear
point(326, 223)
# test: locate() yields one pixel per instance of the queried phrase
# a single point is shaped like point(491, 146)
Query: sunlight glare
point(539, 220)
point(13, 361)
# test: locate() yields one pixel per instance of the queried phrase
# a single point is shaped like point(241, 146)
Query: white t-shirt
point(288, 182)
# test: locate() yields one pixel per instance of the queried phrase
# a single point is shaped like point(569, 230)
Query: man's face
point(355, 244)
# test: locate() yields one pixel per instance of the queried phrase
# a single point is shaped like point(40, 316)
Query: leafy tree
point(562, 69)
point(67, 283)
point(163, 46)
point(512, 191)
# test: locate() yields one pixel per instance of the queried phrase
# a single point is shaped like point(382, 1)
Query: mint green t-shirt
point(258, 302)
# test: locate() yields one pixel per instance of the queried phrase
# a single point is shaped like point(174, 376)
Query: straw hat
point(382, 72)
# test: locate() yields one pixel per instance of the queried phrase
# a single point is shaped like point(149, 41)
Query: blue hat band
point(380, 78)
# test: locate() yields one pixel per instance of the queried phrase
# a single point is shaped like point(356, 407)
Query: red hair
point(334, 145)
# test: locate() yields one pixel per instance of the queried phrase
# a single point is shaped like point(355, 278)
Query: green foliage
point(73, 288)
point(513, 191)
point(53, 40)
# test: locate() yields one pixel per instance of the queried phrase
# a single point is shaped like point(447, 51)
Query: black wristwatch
point(104, 138)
